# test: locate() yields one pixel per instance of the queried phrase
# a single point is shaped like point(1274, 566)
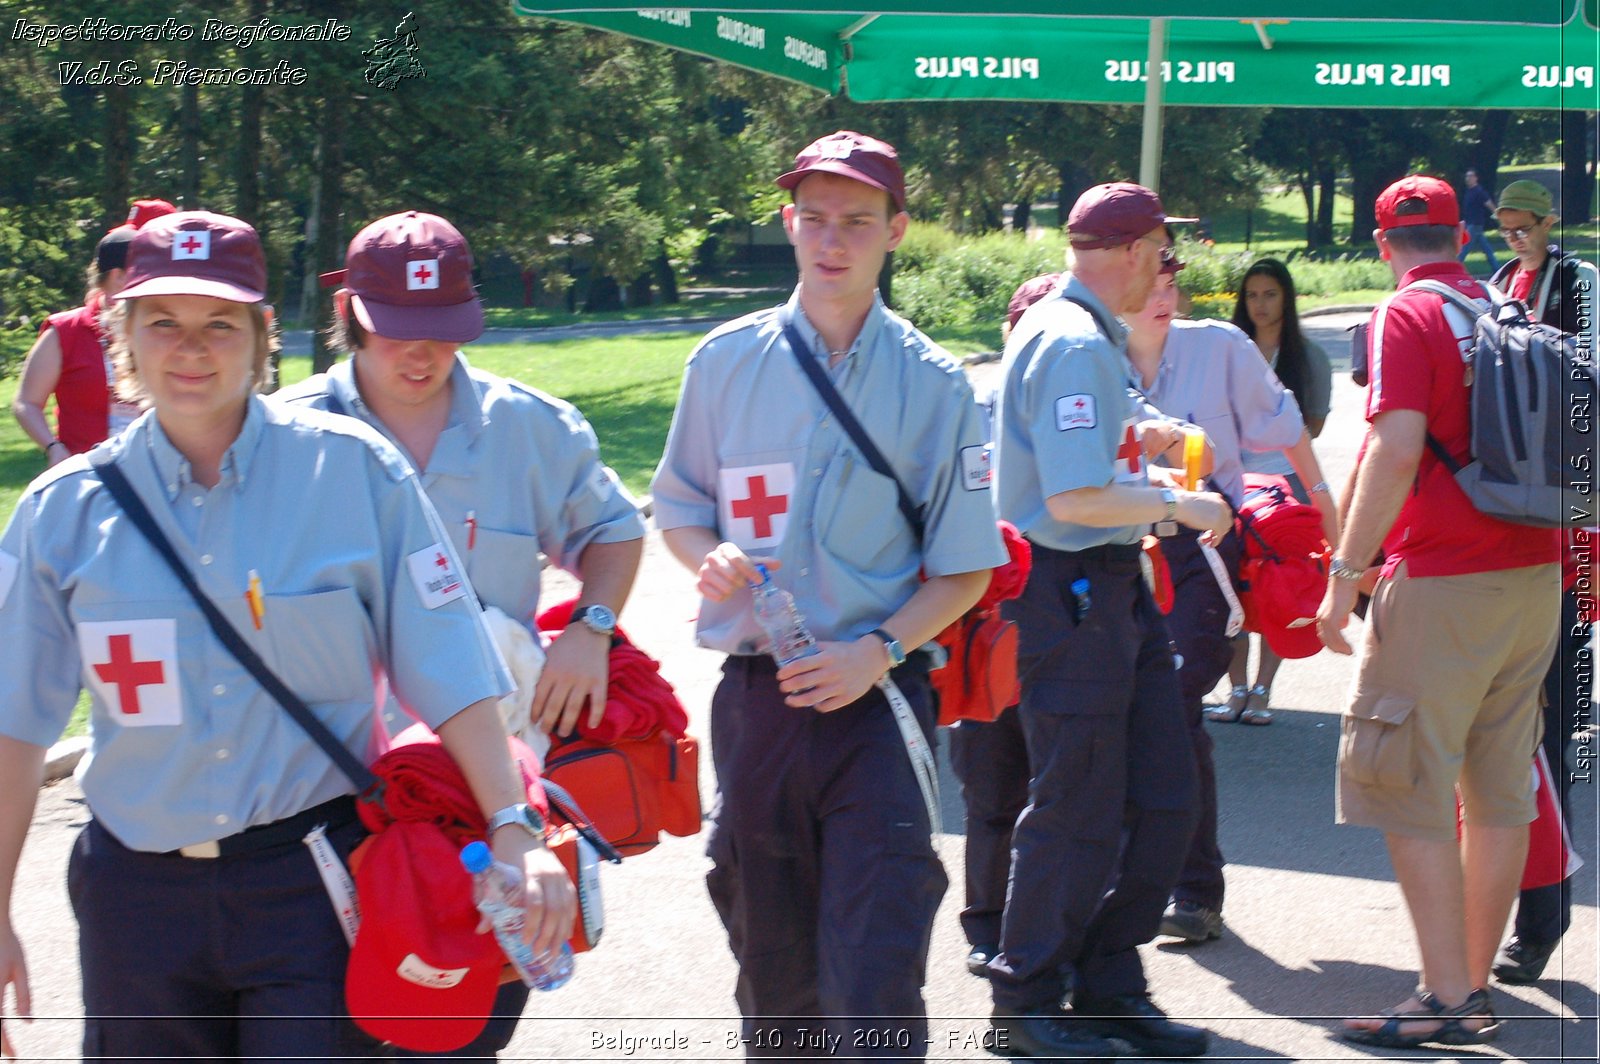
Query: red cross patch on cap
point(192, 244)
point(421, 274)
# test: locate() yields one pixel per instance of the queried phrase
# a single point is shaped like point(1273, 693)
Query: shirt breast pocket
point(323, 644)
point(504, 568)
point(858, 516)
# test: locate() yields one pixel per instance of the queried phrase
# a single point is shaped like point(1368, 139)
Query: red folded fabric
point(639, 700)
point(423, 784)
point(1009, 579)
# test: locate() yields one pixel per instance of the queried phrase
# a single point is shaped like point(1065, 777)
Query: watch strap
point(897, 653)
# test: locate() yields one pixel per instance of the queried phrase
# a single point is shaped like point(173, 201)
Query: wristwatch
point(1170, 497)
point(897, 653)
point(1344, 571)
point(521, 815)
point(600, 620)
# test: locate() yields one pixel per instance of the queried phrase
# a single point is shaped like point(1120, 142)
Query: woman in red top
point(68, 360)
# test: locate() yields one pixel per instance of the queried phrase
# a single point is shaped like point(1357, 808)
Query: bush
point(942, 280)
point(1213, 277)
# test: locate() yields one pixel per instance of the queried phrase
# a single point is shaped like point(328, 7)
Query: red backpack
point(1283, 570)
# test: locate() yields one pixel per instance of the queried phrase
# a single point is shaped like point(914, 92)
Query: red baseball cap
point(1028, 293)
point(196, 253)
point(420, 975)
point(1114, 214)
point(1417, 200)
point(144, 211)
point(410, 278)
point(852, 155)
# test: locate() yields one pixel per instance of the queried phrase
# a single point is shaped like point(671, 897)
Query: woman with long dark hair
point(1266, 311)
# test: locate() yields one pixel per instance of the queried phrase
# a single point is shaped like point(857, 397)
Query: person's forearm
point(608, 571)
point(476, 739)
point(1113, 505)
point(936, 603)
point(690, 544)
point(1303, 459)
point(21, 775)
point(1381, 484)
point(32, 421)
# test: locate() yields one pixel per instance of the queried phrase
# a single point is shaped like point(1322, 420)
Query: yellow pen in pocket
point(257, 601)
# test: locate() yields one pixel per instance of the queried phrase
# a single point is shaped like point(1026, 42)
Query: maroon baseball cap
point(410, 278)
point(144, 211)
point(1114, 214)
point(1417, 200)
point(852, 155)
point(196, 253)
point(1028, 293)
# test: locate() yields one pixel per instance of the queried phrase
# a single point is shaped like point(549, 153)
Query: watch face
point(599, 618)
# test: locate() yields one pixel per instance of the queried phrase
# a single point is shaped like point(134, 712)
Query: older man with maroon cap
point(824, 870)
point(1114, 800)
point(1459, 632)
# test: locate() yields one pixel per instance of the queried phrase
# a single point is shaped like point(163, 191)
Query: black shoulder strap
point(847, 421)
point(134, 507)
point(1099, 322)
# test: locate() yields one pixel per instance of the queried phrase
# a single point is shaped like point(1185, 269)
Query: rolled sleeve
point(960, 534)
point(596, 508)
point(1264, 410)
point(682, 489)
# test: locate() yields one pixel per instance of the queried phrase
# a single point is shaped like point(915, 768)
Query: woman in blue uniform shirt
point(204, 928)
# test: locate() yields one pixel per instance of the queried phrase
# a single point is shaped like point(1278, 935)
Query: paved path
point(1316, 927)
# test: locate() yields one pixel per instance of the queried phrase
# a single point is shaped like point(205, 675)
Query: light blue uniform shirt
point(1212, 376)
point(1066, 418)
point(360, 584)
point(755, 455)
point(523, 465)
point(1319, 390)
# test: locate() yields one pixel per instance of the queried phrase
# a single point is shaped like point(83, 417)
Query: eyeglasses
point(1520, 233)
point(1166, 251)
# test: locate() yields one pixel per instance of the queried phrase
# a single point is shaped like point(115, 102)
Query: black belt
point(335, 812)
point(1113, 552)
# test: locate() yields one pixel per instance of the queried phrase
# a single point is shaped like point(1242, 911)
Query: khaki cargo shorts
point(1447, 693)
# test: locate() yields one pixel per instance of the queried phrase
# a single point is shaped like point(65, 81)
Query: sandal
point(1229, 711)
point(1449, 1032)
point(1255, 707)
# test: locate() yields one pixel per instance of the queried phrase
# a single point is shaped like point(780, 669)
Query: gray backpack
point(1532, 413)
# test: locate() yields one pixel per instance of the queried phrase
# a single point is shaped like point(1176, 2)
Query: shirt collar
point(465, 422)
point(174, 469)
point(819, 349)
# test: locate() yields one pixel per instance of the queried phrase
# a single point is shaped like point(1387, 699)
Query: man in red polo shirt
point(1460, 629)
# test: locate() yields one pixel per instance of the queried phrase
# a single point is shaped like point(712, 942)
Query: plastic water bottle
point(495, 886)
point(785, 627)
point(1080, 598)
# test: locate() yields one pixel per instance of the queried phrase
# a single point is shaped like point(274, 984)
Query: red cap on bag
point(196, 253)
point(420, 975)
point(1417, 200)
point(410, 278)
point(851, 155)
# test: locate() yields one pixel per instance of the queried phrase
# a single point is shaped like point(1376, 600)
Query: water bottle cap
point(762, 569)
point(475, 857)
point(1080, 585)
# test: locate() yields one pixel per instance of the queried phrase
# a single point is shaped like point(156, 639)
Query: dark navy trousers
point(824, 872)
point(232, 958)
point(1114, 800)
point(990, 758)
point(1198, 623)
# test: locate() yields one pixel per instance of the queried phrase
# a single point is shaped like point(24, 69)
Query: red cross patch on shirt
point(132, 668)
point(1129, 468)
point(436, 576)
point(755, 502)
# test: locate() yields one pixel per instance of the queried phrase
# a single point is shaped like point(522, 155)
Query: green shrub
point(946, 280)
point(1213, 305)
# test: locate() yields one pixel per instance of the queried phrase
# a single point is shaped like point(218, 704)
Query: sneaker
point(978, 960)
point(1191, 921)
point(1136, 1021)
point(1050, 1035)
point(1521, 963)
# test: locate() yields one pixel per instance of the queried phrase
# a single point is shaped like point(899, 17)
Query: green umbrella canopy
point(1525, 54)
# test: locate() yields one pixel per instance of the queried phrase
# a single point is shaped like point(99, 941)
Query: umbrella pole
point(1150, 143)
